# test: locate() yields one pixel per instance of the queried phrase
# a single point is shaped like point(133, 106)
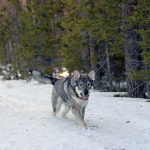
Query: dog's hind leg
point(66, 109)
point(56, 104)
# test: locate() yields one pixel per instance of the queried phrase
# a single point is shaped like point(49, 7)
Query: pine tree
point(5, 34)
point(40, 34)
point(141, 20)
point(133, 52)
point(92, 22)
point(73, 42)
point(105, 28)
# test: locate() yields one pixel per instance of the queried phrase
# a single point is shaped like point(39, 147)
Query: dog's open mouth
point(85, 97)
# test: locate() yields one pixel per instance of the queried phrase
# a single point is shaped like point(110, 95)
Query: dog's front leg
point(79, 118)
point(82, 112)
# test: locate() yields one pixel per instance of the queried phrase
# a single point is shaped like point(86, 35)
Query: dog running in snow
point(72, 93)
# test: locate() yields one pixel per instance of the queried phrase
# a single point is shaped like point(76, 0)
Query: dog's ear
point(92, 75)
point(76, 75)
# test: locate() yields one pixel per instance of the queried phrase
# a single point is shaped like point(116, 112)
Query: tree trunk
point(109, 77)
point(92, 53)
point(132, 53)
point(15, 31)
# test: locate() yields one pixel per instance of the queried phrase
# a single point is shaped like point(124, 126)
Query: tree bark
point(109, 77)
point(132, 53)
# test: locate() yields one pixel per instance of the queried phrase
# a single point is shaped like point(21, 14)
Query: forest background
point(110, 37)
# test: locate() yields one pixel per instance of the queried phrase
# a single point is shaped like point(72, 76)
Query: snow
point(26, 122)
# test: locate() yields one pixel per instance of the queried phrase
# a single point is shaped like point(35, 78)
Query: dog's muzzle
point(85, 94)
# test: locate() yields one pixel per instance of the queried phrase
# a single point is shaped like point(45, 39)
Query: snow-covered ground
point(26, 122)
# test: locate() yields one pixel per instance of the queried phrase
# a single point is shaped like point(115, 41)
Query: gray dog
point(73, 92)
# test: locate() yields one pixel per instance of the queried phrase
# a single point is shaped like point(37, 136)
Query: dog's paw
point(53, 114)
point(83, 125)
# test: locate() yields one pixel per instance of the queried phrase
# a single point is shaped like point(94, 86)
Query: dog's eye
point(89, 84)
point(80, 84)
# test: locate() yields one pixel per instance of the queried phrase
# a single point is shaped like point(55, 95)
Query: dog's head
point(83, 84)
